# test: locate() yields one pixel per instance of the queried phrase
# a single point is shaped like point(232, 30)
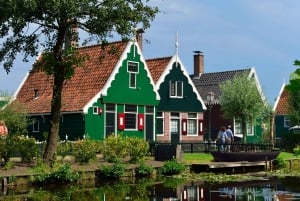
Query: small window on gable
point(95, 110)
point(176, 89)
point(133, 70)
point(36, 93)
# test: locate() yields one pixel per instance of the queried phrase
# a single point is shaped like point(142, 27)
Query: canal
point(275, 189)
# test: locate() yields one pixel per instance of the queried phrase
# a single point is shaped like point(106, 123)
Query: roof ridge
point(228, 71)
point(158, 58)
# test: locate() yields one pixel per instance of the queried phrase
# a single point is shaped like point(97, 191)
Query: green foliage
point(114, 148)
point(64, 149)
point(137, 148)
point(27, 148)
point(84, 150)
point(296, 150)
point(144, 170)
point(294, 95)
point(15, 117)
point(240, 99)
point(58, 175)
point(112, 171)
point(172, 167)
point(8, 147)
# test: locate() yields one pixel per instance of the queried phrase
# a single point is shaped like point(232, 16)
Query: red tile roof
point(157, 66)
point(84, 85)
point(282, 107)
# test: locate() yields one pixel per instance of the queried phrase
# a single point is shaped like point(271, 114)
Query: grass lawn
point(207, 157)
point(197, 157)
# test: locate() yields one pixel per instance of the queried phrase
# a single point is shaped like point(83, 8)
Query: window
point(238, 128)
point(95, 110)
point(130, 116)
point(35, 125)
point(175, 116)
point(192, 124)
point(133, 70)
point(287, 122)
point(176, 89)
point(160, 123)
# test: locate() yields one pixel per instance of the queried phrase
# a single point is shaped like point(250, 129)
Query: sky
point(232, 34)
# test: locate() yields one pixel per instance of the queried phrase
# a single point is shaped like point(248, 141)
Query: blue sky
point(233, 34)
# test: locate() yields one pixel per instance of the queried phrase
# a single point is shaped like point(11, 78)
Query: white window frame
point(162, 117)
point(238, 128)
point(190, 119)
point(174, 85)
point(286, 122)
point(132, 74)
point(95, 109)
point(131, 112)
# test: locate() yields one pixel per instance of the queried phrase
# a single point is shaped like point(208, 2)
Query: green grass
point(197, 157)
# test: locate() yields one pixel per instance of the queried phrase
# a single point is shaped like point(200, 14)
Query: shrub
point(144, 169)
point(137, 148)
point(64, 149)
point(58, 175)
point(27, 148)
point(112, 171)
point(172, 167)
point(114, 148)
point(296, 150)
point(8, 147)
point(84, 150)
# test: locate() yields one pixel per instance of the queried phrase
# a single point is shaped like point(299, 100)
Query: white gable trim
point(167, 70)
point(103, 91)
point(278, 97)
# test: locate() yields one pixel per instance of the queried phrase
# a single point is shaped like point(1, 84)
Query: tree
point(241, 100)
point(28, 25)
point(294, 95)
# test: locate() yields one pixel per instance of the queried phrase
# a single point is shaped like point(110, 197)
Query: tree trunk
point(59, 78)
point(54, 119)
point(244, 131)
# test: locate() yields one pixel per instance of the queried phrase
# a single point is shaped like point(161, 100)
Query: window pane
point(179, 89)
point(192, 126)
point(160, 125)
point(133, 67)
point(149, 109)
point(130, 108)
point(174, 126)
point(132, 77)
point(130, 121)
point(192, 115)
point(172, 88)
point(110, 107)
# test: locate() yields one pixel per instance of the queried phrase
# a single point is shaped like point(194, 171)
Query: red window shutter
point(100, 110)
point(141, 121)
point(121, 121)
point(200, 129)
point(184, 126)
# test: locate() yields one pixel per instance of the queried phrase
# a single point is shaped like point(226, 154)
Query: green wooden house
point(180, 110)
point(282, 113)
point(112, 93)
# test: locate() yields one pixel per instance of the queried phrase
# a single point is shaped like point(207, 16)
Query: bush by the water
point(172, 167)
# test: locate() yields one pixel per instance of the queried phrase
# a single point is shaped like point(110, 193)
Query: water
point(172, 190)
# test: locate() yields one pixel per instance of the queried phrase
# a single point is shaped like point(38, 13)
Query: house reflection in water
point(266, 190)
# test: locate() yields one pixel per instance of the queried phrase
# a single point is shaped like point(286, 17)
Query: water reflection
point(172, 190)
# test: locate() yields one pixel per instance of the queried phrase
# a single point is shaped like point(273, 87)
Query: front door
point(149, 123)
point(175, 128)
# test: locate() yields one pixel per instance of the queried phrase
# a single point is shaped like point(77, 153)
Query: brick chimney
point(198, 63)
point(139, 37)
